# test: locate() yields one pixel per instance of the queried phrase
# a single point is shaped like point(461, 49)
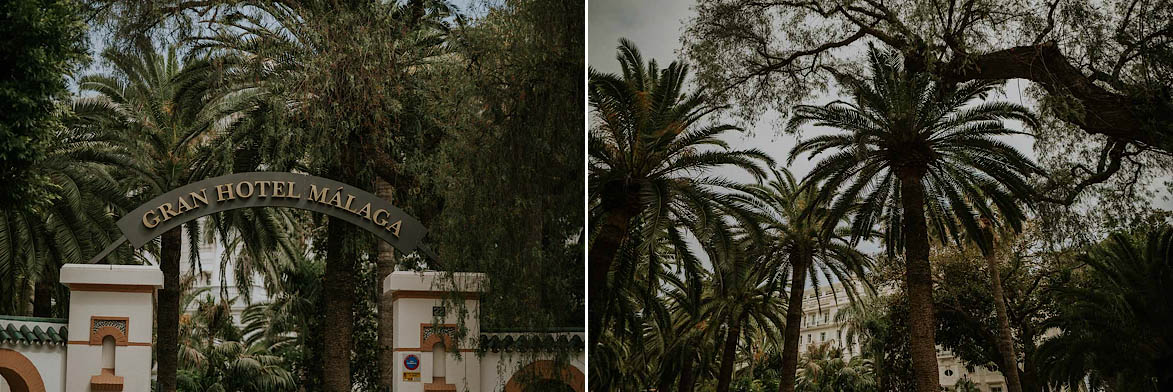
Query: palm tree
point(824, 369)
point(800, 238)
point(214, 354)
point(645, 151)
point(349, 75)
point(924, 151)
point(74, 221)
point(740, 295)
point(1114, 325)
point(1005, 338)
point(155, 108)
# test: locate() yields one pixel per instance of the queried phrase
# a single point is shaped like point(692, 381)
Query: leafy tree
point(1101, 67)
point(925, 154)
point(880, 325)
point(1113, 324)
point(45, 41)
point(800, 239)
point(519, 220)
point(645, 151)
point(967, 324)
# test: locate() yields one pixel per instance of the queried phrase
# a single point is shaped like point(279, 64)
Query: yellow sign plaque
point(411, 376)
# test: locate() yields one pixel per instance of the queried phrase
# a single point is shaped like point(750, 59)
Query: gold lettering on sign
point(183, 206)
point(278, 190)
point(152, 221)
point(167, 212)
point(261, 184)
point(337, 199)
point(202, 196)
point(224, 189)
point(319, 197)
point(240, 192)
point(291, 192)
point(380, 221)
point(394, 228)
point(365, 211)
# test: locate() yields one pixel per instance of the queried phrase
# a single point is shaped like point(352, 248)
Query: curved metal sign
point(271, 189)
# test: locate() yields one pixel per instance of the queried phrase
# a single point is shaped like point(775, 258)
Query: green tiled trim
point(531, 342)
point(9, 333)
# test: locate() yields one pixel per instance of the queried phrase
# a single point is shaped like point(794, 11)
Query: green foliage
point(824, 369)
point(904, 126)
point(1114, 322)
point(44, 42)
point(214, 356)
point(880, 325)
point(1032, 279)
point(509, 169)
point(74, 224)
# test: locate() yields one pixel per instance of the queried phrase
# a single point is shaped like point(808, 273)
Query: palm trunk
point(624, 205)
point(918, 279)
point(790, 336)
point(338, 293)
point(687, 379)
point(168, 317)
point(385, 265)
point(43, 297)
point(1005, 340)
point(729, 355)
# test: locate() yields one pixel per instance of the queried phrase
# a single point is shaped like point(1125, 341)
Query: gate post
point(430, 309)
point(111, 317)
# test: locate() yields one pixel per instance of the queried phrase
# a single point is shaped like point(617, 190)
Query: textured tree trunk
point(168, 314)
point(43, 297)
point(338, 294)
point(385, 260)
point(1005, 340)
point(624, 206)
point(729, 355)
point(687, 379)
point(790, 336)
point(918, 279)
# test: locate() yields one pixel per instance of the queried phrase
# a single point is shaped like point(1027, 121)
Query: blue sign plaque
point(411, 362)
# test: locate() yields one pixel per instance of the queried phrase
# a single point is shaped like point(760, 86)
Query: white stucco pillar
point(431, 308)
point(115, 302)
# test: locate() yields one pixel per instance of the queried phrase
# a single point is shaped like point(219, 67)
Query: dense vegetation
point(1047, 266)
point(416, 101)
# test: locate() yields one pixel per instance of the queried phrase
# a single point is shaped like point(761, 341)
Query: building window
point(948, 372)
point(822, 336)
point(840, 334)
point(995, 389)
point(808, 338)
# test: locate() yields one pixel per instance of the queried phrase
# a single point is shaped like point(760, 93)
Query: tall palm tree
point(156, 109)
point(1005, 338)
point(74, 221)
point(800, 238)
point(347, 74)
point(646, 151)
point(740, 294)
point(923, 151)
